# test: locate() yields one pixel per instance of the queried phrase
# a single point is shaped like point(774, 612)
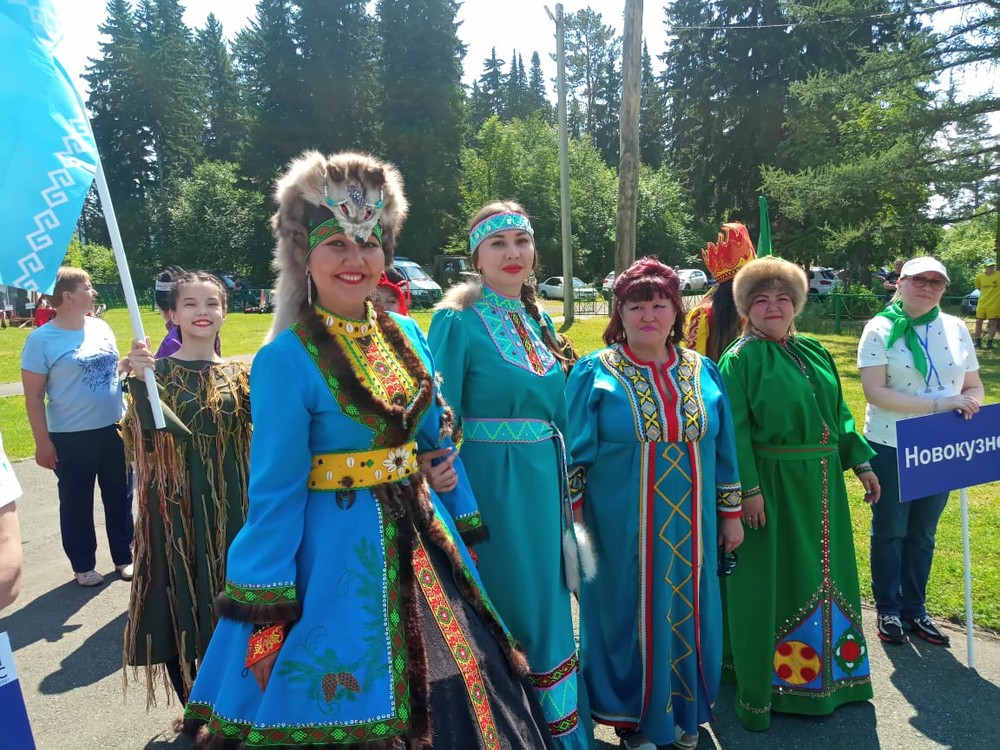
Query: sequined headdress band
point(498, 223)
point(321, 232)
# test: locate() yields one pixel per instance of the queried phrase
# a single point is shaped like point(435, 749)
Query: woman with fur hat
point(654, 458)
point(793, 603)
point(352, 615)
point(503, 371)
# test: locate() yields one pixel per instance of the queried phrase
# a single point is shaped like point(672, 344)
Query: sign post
point(944, 452)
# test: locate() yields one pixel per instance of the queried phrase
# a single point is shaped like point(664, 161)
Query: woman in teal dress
point(352, 615)
point(793, 603)
point(503, 371)
point(653, 457)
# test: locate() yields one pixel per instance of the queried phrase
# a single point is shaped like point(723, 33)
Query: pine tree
point(516, 88)
point(173, 91)
point(267, 67)
point(537, 95)
point(652, 113)
point(339, 75)
point(590, 47)
point(492, 85)
point(225, 119)
point(607, 107)
point(423, 114)
point(119, 127)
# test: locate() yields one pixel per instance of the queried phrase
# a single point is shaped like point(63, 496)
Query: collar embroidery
point(516, 335)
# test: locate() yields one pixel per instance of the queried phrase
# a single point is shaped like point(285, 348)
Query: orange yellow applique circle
point(796, 663)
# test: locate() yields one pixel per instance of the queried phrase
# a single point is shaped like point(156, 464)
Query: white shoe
point(125, 571)
point(90, 578)
point(686, 741)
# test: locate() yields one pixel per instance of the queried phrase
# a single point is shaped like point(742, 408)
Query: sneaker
point(890, 629)
point(685, 741)
point(125, 571)
point(90, 578)
point(636, 741)
point(924, 627)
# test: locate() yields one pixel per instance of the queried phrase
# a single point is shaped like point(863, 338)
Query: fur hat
point(358, 190)
point(770, 274)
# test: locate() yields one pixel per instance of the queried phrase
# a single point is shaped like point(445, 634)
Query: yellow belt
point(353, 470)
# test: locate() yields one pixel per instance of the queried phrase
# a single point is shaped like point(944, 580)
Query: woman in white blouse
point(914, 360)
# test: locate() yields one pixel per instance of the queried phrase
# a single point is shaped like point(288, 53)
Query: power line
point(819, 22)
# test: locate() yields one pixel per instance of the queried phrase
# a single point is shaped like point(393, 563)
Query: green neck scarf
point(903, 325)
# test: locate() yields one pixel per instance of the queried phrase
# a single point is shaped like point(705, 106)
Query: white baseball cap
point(923, 265)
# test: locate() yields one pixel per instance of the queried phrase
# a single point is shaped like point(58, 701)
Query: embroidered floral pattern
point(276, 594)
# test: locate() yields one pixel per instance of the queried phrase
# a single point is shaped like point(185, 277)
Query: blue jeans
point(902, 542)
point(84, 457)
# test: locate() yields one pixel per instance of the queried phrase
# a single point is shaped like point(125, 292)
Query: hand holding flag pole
point(47, 161)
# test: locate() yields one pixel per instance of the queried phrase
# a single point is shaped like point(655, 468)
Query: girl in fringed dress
point(191, 485)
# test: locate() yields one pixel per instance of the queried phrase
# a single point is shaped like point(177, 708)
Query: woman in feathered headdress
point(352, 614)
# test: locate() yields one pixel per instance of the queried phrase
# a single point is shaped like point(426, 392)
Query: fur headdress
point(357, 190)
point(770, 274)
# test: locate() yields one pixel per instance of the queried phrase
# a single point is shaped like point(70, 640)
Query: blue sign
point(943, 452)
point(16, 731)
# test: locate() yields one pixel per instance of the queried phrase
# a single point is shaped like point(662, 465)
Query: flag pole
point(126, 278)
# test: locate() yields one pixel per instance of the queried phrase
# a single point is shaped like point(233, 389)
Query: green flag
point(764, 238)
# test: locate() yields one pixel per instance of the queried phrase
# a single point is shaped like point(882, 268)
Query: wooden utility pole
point(569, 292)
point(628, 170)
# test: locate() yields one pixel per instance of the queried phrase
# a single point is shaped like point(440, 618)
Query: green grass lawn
point(242, 334)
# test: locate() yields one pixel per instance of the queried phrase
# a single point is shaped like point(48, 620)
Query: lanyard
point(931, 368)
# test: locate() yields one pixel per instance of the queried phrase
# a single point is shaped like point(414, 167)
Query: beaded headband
point(498, 223)
point(321, 232)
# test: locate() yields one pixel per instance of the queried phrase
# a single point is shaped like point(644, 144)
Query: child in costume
point(191, 484)
point(352, 615)
point(714, 324)
point(162, 295)
point(503, 371)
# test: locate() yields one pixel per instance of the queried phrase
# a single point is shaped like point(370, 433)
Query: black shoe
point(924, 627)
point(979, 343)
point(890, 629)
point(989, 344)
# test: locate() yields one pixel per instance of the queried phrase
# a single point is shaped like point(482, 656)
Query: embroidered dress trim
point(506, 430)
point(333, 472)
point(557, 690)
point(577, 486)
point(458, 645)
point(354, 328)
point(513, 332)
point(275, 594)
point(264, 642)
point(647, 405)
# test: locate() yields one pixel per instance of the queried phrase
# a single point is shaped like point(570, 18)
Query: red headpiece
point(730, 252)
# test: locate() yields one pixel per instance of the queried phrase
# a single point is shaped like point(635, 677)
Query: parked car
point(970, 301)
point(823, 281)
point(693, 278)
point(552, 288)
point(424, 291)
point(608, 282)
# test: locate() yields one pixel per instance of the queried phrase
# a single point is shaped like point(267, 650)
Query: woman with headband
point(503, 370)
point(352, 614)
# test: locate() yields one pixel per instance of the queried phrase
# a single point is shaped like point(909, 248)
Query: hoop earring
point(309, 288)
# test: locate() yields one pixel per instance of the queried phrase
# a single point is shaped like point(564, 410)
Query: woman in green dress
point(793, 604)
point(191, 487)
point(503, 371)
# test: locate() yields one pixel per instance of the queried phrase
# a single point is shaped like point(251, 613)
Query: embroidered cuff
point(577, 486)
point(751, 492)
point(862, 468)
point(263, 604)
point(728, 499)
point(472, 529)
point(265, 640)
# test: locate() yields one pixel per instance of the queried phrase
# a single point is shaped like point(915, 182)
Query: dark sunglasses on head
point(727, 562)
point(921, 281)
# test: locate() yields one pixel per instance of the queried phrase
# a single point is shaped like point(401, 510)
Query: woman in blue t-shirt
point(73, 394)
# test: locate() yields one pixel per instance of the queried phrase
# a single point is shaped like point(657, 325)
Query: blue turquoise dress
point(653, 456)
point(508, 393)
point(393, 641)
